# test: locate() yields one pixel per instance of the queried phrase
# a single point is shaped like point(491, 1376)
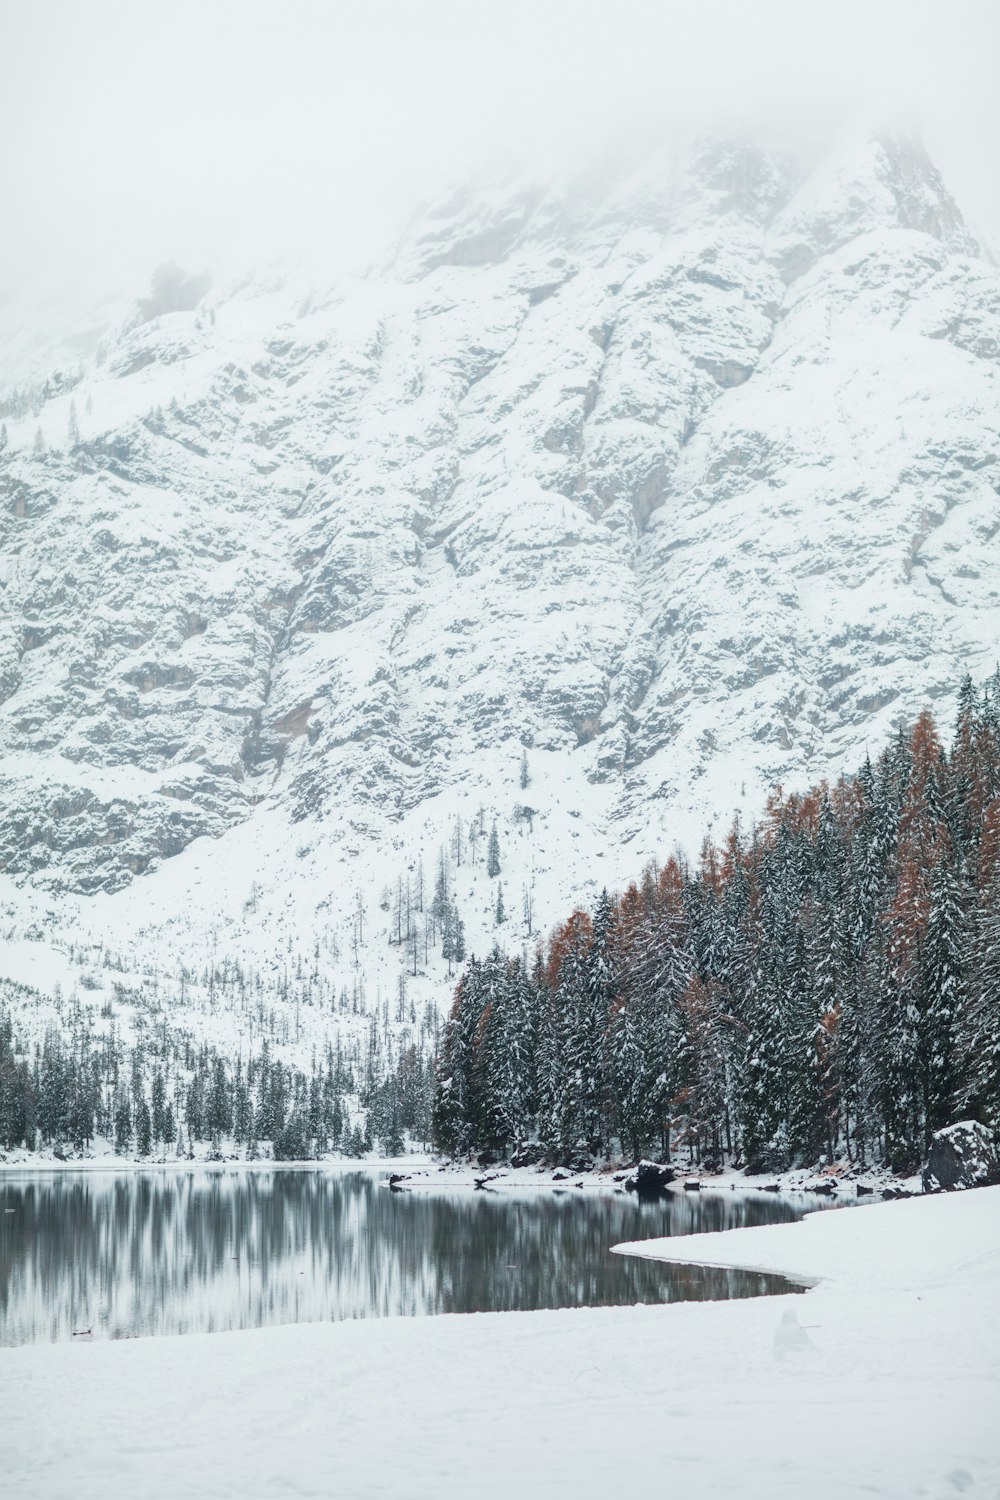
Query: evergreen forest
point(824, 986)
point(162, 1094)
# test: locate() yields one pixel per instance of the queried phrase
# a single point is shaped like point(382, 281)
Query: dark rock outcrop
point(652, 1178)
point(963, 1155)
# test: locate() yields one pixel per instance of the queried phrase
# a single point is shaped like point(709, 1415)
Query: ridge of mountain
point(685, 482)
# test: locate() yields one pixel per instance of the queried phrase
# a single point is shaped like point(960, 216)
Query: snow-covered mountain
point(685, 482)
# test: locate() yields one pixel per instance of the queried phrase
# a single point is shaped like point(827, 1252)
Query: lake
point(191, 1250)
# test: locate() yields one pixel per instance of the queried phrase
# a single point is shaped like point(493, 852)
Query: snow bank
point(891, 1247)
point(893, 1395)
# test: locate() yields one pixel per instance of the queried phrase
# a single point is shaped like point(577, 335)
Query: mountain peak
point(681, 477)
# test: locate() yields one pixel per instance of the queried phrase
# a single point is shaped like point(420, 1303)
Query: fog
point(219, 131)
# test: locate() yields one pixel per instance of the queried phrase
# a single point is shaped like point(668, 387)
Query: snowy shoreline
point(887, 1388)
point(112, 1163)
point(835, 1183)
point(421, 1172)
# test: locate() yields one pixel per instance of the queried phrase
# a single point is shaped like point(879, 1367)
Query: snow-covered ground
point(894, 1394)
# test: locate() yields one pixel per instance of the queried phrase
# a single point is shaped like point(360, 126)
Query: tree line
point(162, 1095)
point(826, 986)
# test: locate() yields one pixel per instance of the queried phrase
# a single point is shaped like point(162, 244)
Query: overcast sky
point(215, 130)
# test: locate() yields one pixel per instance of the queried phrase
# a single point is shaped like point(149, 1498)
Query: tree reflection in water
point(187, 1251)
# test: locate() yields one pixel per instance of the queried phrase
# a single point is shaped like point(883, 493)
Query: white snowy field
point(895, 1396)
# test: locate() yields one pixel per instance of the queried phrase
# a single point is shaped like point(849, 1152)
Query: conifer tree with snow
point(448, 935)
point(493, 853)
point(159, 1109)
point(143, 1129)
point(941, 998)
point(503, 1051)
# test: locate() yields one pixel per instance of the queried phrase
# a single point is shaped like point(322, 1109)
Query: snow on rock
point(961, 1156)
point(685, 480)
point(891, 1393)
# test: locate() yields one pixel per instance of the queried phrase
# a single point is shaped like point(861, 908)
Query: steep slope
point(687, 482)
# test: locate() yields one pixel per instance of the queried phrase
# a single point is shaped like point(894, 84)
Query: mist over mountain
point(682, 481)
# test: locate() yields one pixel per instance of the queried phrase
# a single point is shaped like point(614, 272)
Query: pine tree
point(52, 1090)
point(503, 1052)
point(524, 777)
point(920, 844)
point(455, 1111)
point(701, 1066)
point(393, 1142)
point(122, 1122)
point(195, 1107)
point(493, 853)
point(159, 1110)
point(448, 935)
point(809, 1000)
point(575, 1115)
point(979, 1088)
point(762, 1104)
point(500, 915)
point(242, 1106)
point(625, 1073)
point(941, 999)
point(550, 1072)
point(439, 901)
point(828, 972)
point(143, 1129)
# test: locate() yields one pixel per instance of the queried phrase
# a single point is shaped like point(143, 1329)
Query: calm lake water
point(192, 1250)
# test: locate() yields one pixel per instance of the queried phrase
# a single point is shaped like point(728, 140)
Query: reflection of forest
point(192, 1251)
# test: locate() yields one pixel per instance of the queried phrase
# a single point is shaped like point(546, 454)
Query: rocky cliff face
point(688, 482)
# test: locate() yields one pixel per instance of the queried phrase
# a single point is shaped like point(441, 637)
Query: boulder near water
point(961, 1156)
point(652, 1177)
